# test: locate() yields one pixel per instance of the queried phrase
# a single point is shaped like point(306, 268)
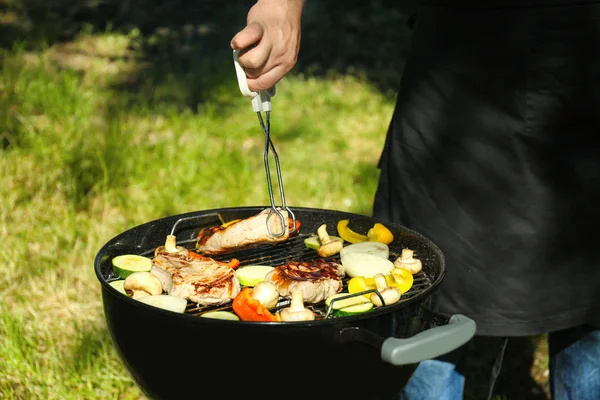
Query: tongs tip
point(290, 222)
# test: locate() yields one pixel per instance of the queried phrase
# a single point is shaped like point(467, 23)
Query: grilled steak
point(318, 279)
point(201, 280)
point(246, 233)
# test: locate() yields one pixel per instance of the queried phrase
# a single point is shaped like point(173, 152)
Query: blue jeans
point(574, 369)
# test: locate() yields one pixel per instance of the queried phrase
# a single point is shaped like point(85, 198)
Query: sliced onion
point(374, 248)
point(365, 264)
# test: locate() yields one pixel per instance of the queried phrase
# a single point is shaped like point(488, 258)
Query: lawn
point(115, 113)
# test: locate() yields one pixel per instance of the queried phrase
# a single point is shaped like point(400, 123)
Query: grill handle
point(425, 345)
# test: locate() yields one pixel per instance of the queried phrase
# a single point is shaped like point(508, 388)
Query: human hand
point(270, 41)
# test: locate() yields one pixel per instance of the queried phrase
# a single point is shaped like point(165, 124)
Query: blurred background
point(116, 112)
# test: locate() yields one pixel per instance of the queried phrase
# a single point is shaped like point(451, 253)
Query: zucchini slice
point(250, 275)
point(313, 242)
point(350, 306)
point(126, 264)
point(118, 284)
point(353, 310)
point(226, 315)
point(166, 302)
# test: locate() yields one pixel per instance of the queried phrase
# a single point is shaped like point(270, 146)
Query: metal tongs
point(261, 102)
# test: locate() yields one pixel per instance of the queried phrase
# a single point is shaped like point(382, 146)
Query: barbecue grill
point(370, 355)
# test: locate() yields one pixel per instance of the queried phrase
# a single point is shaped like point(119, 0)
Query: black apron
point(493, 152)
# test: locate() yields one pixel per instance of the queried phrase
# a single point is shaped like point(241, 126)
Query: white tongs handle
point(261, 101)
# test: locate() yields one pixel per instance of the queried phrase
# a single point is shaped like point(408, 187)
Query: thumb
point(250, 35)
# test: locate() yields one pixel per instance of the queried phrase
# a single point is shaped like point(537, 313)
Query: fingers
point(248, 36)
point(262, 69)
point(256, 53)
point(269, 43)
point(267, 80)
point(255, 60)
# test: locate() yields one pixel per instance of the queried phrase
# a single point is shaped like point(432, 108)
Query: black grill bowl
point(371, 356)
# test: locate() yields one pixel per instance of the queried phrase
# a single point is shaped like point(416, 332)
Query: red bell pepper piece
point(291, 224)
point(249, 309)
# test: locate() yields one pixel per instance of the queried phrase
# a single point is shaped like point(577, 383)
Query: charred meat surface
point(199, 279)
point(243, 234)
point(318, 279)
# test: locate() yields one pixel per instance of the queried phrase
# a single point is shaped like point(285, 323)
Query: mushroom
point(296, 311)
point(390, 294)
point(171, 246)
point(329, 247)
point(266, 293)
point(140, 284)
point(407, 262)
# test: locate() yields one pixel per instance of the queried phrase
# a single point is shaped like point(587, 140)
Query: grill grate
point(293, 250)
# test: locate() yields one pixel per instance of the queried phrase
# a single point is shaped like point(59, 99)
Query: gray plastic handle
point(429, 344)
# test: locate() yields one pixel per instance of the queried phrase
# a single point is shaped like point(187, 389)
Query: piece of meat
point(246, 233)
point(199, 279)
point(318, 279)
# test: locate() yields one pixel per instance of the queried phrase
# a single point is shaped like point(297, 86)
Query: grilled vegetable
point(313, 242)
point(403, 279)
point(226, 315)
point(348, 234)
point(291, 225)
point(390, 294)
point(350, 306)
point(329, 247)
point(166, 302)
point(407, 261)
point(171, 246)
point(354, 310)
point(233, 221)
point(375, 248)
point(296, 311)
point(118, 284)
point(249, 309)
point(266, 293)
point(250, 275)
point(359, 284)
point(126, 264)
point(380, 233)
point(364, 264)
point(140, 284)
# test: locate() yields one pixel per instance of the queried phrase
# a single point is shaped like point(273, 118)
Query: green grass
point(83, 161)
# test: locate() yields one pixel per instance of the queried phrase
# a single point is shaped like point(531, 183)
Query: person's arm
point(273, 26)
